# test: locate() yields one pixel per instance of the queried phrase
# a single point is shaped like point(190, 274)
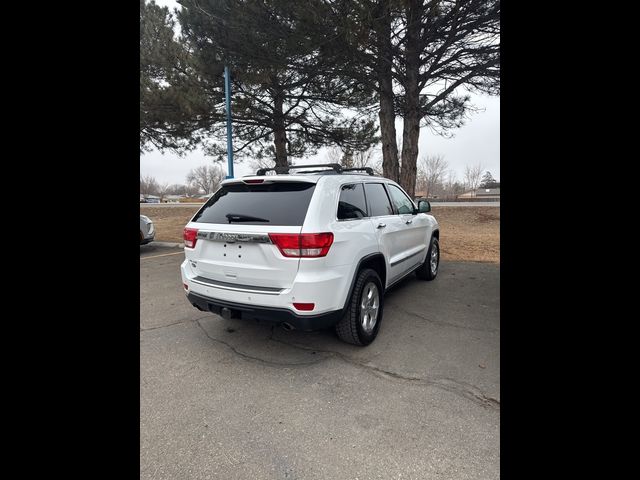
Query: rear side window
point(379, 204)
point(279, 203)
point(352, 203)
point(402, 203)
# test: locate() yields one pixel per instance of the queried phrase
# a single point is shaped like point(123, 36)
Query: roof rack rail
point(369, 170)
point(284, 170)
point(305, 172)
point(334, 166)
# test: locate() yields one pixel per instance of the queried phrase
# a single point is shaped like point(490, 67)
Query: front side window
point(402, 203)
point(352, 203)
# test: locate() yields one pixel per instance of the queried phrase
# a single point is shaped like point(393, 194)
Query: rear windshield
point(280, 203)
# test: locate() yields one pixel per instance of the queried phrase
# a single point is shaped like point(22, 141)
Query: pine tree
point(287, 98)
point(422, 57)
point(170, 101)
point(487, 180)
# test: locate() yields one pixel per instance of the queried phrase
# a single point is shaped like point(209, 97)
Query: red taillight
point(307, 245)
point(190, 236)
point(315, 244)
point(186, 287)
point(254, 181)
point(304, 306)
point(287, 243)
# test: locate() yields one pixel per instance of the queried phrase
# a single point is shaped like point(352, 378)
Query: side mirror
point(424, 206)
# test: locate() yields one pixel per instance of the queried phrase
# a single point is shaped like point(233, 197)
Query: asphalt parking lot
point(233, 400)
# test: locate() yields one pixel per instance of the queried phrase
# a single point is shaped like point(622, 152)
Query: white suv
point(308, 250)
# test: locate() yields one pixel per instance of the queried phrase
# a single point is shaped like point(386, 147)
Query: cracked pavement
point(235, 400)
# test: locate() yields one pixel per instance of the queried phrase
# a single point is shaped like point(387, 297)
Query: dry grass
point(466, 233)
point(469, 233)
point(170, 221)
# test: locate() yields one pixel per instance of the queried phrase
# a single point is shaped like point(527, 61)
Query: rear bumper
point(147, 239)
point(326, 288)
point(265, 314)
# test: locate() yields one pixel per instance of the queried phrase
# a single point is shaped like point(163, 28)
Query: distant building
point(484, 193)
point(423, 194)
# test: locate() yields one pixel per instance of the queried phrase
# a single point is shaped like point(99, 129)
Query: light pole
point(227, 95)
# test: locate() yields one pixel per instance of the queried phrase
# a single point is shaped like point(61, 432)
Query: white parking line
point(163, 255)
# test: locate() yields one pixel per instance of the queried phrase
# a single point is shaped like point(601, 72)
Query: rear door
point(388, 226)
point(233, 243)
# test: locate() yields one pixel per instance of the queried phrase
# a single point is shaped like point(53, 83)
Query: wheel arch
point(375, 261)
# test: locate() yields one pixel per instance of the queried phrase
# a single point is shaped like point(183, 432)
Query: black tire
point(425, 272)
point(350, 328)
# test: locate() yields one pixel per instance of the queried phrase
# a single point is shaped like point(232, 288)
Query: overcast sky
point(478, 141)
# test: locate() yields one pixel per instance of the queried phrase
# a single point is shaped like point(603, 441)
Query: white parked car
point(307, 250)
point(147, 230)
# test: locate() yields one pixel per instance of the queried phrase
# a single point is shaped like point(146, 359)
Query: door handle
point(382, 225)
point(409, 221)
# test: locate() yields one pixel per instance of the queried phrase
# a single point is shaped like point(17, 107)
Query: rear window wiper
point(235, 217)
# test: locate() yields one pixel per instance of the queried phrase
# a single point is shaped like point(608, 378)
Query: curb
point(168, 244)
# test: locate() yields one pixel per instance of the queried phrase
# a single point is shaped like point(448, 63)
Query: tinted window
point(280, 203)
point(402, 203)
point(378, 201)
point(352, 203)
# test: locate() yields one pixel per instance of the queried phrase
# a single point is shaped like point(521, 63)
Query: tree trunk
point(411, 127)
point(410, 137)
point(390, 164)
point(279, 132)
